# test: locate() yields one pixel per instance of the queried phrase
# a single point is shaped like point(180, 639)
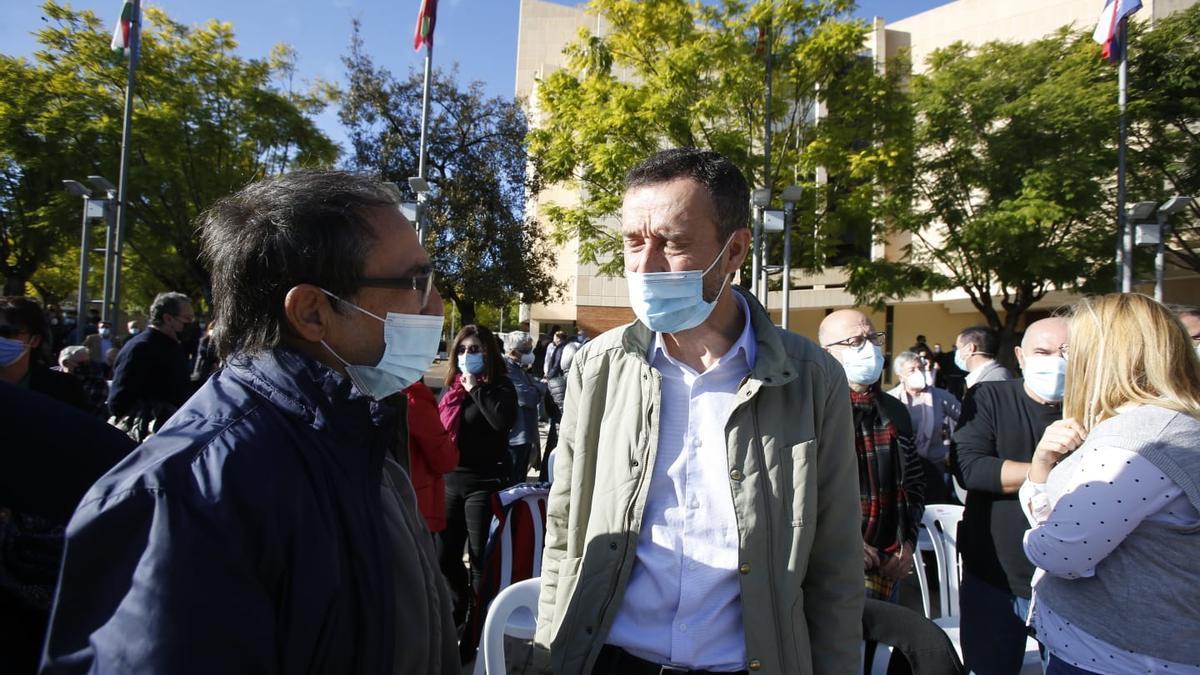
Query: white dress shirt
point(683, 604)
point(1074, 529)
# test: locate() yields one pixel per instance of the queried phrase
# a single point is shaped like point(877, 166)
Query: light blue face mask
point(960, 361)
point(410, 344)
point(471, 363)
point(670, 302)
point(864, 365)
point(1046, 376)
point(11, 351)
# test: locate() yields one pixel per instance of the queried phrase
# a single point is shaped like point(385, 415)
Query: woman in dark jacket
point(478, 409)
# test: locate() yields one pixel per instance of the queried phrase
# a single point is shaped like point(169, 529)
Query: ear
point(35, 341)
point(1020, 356)
point(739, 247)
point(308, 313)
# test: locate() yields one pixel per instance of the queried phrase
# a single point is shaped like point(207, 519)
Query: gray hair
point(902, 359)
point(517, 340)
point(167, 303)
point(68, 353)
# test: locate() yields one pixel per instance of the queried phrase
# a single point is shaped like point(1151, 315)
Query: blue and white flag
point(1108, 33)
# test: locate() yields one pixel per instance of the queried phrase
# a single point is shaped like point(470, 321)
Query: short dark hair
point(496, 368)
point(167, 303)
point(720, 177)
point(26, 314)
point(301, 227)
point(986, 340)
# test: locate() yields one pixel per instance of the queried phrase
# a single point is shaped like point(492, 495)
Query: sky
point(479, 35)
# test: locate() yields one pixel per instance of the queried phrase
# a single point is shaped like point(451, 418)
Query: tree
point(206, 122)
point(1164, 106)
point(484, 250)
point(1010, 182)
point(672, 73)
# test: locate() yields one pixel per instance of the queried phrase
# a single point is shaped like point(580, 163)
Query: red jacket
point(431, 455)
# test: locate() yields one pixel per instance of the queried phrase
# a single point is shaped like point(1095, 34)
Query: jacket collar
point(772, 365)
point(311, 391)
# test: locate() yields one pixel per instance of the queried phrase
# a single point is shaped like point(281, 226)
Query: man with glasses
point(704, 481)
point(270, 526)
point(891, 482)
point(1001, 425)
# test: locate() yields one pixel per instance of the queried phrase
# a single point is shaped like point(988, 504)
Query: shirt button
point(736, 474)
point(683, 628)
point(755, 664)
point(744, 568)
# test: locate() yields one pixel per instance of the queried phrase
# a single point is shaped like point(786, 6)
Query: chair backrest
point(514, 611)
point(550, 466)
point(941, 522)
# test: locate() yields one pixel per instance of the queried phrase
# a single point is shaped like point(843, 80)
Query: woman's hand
point(1061, 439)
point(469, 381)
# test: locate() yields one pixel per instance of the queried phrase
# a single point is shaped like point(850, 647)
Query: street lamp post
point(791, 194)
point(1151, 233)
point(112, 260)
point(760, 198)
point(79, 190)
point(421, 187)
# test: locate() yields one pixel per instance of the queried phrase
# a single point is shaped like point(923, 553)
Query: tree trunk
point(1007, 355)
point(15, 285)
point(466, 311)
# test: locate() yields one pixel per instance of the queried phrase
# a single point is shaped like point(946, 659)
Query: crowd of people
point(289, 495)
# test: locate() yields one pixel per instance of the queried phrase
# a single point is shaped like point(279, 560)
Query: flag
point(1108, 28)
point(120, 39)
point(425, 20)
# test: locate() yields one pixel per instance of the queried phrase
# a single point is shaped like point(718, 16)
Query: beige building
point(596, 303)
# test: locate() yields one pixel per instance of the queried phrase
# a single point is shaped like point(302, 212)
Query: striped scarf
point(880, 480)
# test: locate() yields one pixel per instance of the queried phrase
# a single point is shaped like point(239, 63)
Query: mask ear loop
point(713, 264)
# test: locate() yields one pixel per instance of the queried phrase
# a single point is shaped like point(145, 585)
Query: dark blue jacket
point(246, 536)
point(150, 368)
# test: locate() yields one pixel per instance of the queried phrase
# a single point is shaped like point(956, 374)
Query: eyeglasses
point(857, 341)
point(423, 283)
point(1064, 349)
point(468, 349)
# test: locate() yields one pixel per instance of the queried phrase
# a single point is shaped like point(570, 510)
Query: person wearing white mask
point(975, 351)
point(999, 429)
point(891, 482)
point(270, 525)
point(704, 480)
point(934, 412)
point(523, 441)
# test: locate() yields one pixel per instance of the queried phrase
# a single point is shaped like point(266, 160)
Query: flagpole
point(135, 44)
point(1125, 230)
point(421, 226)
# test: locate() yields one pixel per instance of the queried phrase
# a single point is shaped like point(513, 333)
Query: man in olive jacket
point(704, 514)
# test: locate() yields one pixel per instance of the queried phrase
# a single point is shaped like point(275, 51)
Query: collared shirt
point(683, 602)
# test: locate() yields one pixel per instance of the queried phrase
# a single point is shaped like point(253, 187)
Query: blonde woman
point(1113, 497)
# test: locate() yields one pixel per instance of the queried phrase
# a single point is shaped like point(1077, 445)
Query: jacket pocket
point(804, 482)
point(568, 580)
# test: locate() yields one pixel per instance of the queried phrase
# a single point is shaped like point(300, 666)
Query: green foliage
point(1010, 182)
point(673, 73)
point(1164, 108)
point(206, 122)
point(484, 250)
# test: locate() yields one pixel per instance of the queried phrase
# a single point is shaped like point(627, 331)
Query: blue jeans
point(992, 630)
point(1059, 667)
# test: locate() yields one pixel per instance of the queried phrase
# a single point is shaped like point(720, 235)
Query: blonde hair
point(1127, 348)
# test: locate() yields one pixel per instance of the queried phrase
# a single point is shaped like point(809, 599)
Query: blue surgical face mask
point(1046, 376)
point(410, 344)
point(864, 365)
point(11, 351)
point(670, 302)
point(471, 363)
point(960, 360)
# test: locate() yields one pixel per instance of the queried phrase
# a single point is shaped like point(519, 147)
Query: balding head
point(842, 324)
point(1043, 338)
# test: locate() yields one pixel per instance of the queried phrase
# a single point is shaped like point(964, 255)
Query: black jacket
point(151, 369)
point(246, 536)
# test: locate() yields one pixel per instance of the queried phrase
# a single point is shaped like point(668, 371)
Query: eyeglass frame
point(403, 284)
point(877, 338)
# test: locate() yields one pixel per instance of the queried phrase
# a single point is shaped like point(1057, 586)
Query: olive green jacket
point(793, 474)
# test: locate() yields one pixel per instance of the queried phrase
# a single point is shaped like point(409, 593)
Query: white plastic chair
point(550, 466)
point(879, 659)
point(513, 613)
point(924, 543)
point(940, 521)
